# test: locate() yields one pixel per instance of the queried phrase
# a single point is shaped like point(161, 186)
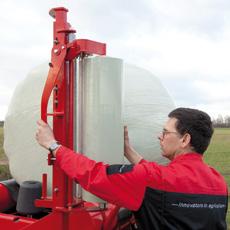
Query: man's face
point(170, 139)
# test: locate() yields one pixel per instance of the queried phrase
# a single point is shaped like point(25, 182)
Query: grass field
point(217, 155)
point(4, 169)
point(1, 144)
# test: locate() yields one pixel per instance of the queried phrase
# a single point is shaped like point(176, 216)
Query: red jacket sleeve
point(124, 189)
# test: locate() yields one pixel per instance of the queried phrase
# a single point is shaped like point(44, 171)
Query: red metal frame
point(66, 212)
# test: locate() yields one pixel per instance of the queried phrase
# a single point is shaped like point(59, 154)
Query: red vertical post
point(71, 122)
point(44, 186)
point(61, 81)
point(62, 125)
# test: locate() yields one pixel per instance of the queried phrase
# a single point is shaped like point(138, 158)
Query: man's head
point(186, 130)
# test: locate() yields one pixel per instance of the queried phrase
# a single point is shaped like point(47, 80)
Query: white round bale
point(146, 104)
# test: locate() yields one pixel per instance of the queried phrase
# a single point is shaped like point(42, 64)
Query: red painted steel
point(66, 212)
point(6, 201)
point(44, 187)
point(70, 119)
point(85, 46)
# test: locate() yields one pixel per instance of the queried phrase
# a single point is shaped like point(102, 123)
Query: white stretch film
point(102, 127)
point(145, 106)
point(27, 160)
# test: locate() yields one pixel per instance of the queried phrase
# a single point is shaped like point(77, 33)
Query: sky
point(185, 43)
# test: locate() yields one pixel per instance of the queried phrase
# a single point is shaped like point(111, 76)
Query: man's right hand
point(129, 152)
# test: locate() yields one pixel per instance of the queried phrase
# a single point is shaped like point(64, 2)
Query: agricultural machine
point(62, 210)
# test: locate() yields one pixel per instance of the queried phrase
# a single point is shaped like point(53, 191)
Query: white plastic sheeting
point(100, 107)
point(101, 126)
point(146, 104)
point(27, 160)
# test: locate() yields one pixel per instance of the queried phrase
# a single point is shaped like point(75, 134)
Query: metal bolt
point(56, 90)
point(56, 41)
point(102, 206)
point(56, 190)
point(56, 51)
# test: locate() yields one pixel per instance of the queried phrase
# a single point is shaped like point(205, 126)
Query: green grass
point(1, 143)
point(218, 156)
point(4, 169)
point(218, 153)
point(4, 172)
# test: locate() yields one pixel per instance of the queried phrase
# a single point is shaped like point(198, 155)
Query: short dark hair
point(195, 122)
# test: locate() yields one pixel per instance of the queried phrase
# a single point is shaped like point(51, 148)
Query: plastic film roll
point(101, 125)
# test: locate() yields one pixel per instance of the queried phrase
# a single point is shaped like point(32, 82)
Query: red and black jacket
point(185, 194)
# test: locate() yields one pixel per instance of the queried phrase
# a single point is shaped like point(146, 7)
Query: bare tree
point(221, 122)
point(227, 121)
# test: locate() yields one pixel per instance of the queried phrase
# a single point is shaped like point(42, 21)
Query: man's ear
point(186, 140)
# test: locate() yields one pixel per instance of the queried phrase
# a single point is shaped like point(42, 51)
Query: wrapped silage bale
point(146, 106)
point(144, 101)
point(27, 161)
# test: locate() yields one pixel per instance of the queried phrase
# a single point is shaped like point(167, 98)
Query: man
point(185, 194)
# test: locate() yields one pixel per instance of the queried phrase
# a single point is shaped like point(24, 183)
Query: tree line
point(221, 122)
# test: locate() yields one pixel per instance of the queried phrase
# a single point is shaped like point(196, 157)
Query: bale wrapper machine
point(63, 209)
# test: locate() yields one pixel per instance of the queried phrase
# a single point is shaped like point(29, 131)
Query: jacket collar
point(186, 156)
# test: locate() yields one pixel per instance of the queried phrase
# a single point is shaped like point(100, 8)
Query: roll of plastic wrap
point(146, 104)
point(101, 128)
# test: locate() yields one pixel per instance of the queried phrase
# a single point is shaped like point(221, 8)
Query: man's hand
point(129, 152)
point(44, 134)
